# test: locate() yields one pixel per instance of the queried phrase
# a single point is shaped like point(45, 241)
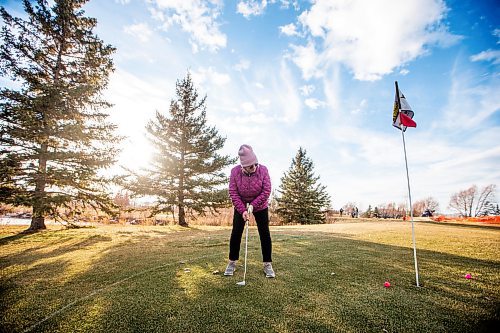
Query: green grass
point(161, 279)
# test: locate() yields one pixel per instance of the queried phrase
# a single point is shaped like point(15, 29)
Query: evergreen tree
point(369, 212)
point(488, 209)
point(301, 199)
point(187, 171)
point(54, 136)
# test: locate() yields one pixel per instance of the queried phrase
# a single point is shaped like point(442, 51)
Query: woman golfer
point(249, 184)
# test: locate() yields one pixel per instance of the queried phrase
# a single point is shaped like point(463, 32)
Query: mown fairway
point(329, 279)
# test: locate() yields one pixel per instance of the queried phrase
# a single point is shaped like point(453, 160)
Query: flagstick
point(411, 209)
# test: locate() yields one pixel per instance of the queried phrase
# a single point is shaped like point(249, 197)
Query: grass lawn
point(330, 278)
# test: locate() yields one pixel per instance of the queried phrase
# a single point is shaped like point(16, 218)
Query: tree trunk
point(37, 223)
point(38, 219)
point(182, 213)
point(39, 203)
point(182, 217)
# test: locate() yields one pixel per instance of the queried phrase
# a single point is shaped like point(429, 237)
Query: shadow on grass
point(61, 247)
point(37, 234)
point(148, 289)
point(6, 240)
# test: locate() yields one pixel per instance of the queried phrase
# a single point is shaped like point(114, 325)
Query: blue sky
point(280, 75)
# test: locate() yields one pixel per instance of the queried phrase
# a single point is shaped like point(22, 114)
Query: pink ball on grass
point(387, 284)
point(468, 276)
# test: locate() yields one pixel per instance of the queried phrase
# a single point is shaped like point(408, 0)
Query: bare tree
point(391, 210)
point(349, 208)
point(122, 199)
point(461, 201)
point(431, 204)
point(428, 204)
point(470, 202)
point(418, 208)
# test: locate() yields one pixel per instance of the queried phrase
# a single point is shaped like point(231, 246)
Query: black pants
point(262, 219)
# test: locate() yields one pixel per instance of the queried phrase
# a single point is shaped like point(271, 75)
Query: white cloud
point(314, 103)
point(255, 7)
point(359, 163)
point(332, 91)
point(360, 107)
point(141, 31)
point(489, 55)
point(264, 103)
point(459, 161)
point(248, 107)
point(288, 98)
point(496, 33)
point(307, 90)
point(404, 71)
point(383, 42)
point(209, 76)
point(289, 30)
point(453, 167)
point(256, 106)
point(469, 104)
point(307, 59)
point(157, 14)
point(368, 144)
point(242, 65)
point(122, 2)
point(277, 98)
point(196, 17)
point(251, 7)
point(286, 4)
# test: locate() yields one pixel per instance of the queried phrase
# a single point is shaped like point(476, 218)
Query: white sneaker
point(268, 270)
point(231, 267)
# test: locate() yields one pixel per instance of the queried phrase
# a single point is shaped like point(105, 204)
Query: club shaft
point(246, 250)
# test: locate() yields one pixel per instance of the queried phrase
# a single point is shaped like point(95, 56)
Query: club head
point(242, 283)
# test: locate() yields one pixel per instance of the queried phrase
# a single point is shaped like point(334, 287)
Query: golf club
point(242, 283)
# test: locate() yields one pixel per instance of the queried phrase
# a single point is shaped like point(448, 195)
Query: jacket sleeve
point(262, 198)
point(233, 193)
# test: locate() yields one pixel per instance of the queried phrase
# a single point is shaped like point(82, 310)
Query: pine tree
point(54, 136)
point(187, 171)
point(488, 209)
point(369, 212)
point(301, 199)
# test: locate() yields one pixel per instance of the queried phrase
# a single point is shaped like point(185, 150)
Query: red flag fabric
point(407, 121)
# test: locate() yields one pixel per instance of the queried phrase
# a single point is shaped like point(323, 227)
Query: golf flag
point(402, 113)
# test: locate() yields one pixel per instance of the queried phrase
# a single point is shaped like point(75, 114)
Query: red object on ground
point(484, 219)
point(387, 284)
point(468, 276)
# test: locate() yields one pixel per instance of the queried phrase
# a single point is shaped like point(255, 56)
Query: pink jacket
point(254, 189)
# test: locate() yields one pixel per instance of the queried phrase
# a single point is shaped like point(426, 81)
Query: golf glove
point(250, 209)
